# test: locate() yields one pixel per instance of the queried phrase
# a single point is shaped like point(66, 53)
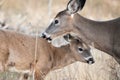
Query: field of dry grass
point(28, 16)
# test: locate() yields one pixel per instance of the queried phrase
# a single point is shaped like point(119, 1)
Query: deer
point(102, 35)
point(17, 54)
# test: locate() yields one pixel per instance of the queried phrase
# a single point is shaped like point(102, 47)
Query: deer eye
point(56, 21)
point(80, 49)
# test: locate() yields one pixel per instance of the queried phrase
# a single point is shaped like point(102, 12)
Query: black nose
point(90, 61)
point(43, 35)
point(48, 39)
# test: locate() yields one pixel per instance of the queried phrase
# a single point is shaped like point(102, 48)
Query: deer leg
point(41, 70)
point(2, 67)
point(3, 60)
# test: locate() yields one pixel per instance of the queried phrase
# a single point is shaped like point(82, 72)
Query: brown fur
point(17, 53)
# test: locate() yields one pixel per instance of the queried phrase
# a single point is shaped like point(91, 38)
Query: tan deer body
point(17, 54)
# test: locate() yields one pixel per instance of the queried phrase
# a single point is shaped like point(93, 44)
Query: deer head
point(63, 22)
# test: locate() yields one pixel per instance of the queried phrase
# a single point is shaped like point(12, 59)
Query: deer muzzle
point(46, 36)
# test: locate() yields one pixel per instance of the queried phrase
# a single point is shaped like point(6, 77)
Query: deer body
point(17, 53)
point(105, 34)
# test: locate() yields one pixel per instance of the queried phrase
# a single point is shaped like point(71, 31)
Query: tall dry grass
point(28, 16)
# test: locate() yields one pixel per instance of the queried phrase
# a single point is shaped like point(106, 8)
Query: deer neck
point(63, 57)
point(93, 32)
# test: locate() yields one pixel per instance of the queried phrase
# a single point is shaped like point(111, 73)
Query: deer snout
point(90, 61)
point(46, 36)
point(43, 35)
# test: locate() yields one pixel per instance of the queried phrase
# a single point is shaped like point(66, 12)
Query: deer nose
point(90, 61)
point(43, 35)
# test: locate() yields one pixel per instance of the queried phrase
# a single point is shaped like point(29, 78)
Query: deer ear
point(74, 5)
point(68, 37)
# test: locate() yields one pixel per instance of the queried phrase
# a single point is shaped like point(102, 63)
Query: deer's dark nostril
point(43, 35)
point(90, 61)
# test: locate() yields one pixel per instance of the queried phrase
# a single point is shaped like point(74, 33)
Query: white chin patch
point(49, 41)
point(90, 62)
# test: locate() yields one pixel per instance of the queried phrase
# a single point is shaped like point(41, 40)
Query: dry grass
point(28, 16)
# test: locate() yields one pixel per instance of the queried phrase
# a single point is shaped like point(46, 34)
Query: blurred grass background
point(28, 16)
